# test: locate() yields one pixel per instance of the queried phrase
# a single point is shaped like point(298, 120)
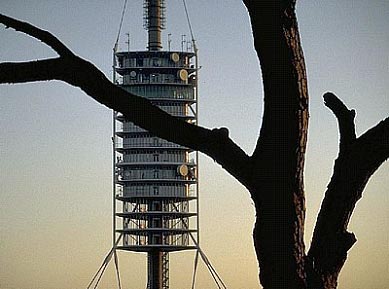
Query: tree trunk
point(278, 160)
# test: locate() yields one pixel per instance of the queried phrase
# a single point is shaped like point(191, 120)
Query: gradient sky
point(55, 142)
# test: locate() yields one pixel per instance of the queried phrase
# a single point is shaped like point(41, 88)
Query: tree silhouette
point(273, 174)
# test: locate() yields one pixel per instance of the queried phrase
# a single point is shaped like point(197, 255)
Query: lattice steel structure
point(156, 186)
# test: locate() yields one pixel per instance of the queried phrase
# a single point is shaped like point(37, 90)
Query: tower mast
point(154, 22)
point(155, 180)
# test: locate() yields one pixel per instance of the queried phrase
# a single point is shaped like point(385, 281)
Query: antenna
point(128, 42)
point(183, 41)
point(154, 22)
point(169, 41)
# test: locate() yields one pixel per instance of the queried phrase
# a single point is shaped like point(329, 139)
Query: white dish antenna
point(175, 57)
point(183, 74)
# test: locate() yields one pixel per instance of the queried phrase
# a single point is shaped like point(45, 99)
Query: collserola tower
point(155, 182)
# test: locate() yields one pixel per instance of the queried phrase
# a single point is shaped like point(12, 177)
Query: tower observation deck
point(155, 182)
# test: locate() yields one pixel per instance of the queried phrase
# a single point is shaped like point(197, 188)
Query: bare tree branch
point(42, 35)
point(345, 119)
point(83, 74)
point(357, 161)
point(39, 70)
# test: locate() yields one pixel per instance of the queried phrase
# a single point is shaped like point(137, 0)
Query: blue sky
point(55, 147)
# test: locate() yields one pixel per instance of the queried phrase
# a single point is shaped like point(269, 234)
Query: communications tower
point(155, 181)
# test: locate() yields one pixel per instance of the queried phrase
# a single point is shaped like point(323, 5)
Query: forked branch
point(358, 159)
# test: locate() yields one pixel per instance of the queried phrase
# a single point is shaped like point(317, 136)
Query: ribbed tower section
point(155, 180)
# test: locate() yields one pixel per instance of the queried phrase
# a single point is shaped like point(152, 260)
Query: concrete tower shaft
point(154, 22)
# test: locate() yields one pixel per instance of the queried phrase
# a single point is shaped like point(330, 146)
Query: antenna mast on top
point(154, 22)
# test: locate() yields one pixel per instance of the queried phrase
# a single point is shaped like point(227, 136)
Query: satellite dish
point(183, 74)
point(175, 57)
point(183, 170)
point(132, 73)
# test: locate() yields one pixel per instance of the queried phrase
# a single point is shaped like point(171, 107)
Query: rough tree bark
point(278, 160)
point(274, 173)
